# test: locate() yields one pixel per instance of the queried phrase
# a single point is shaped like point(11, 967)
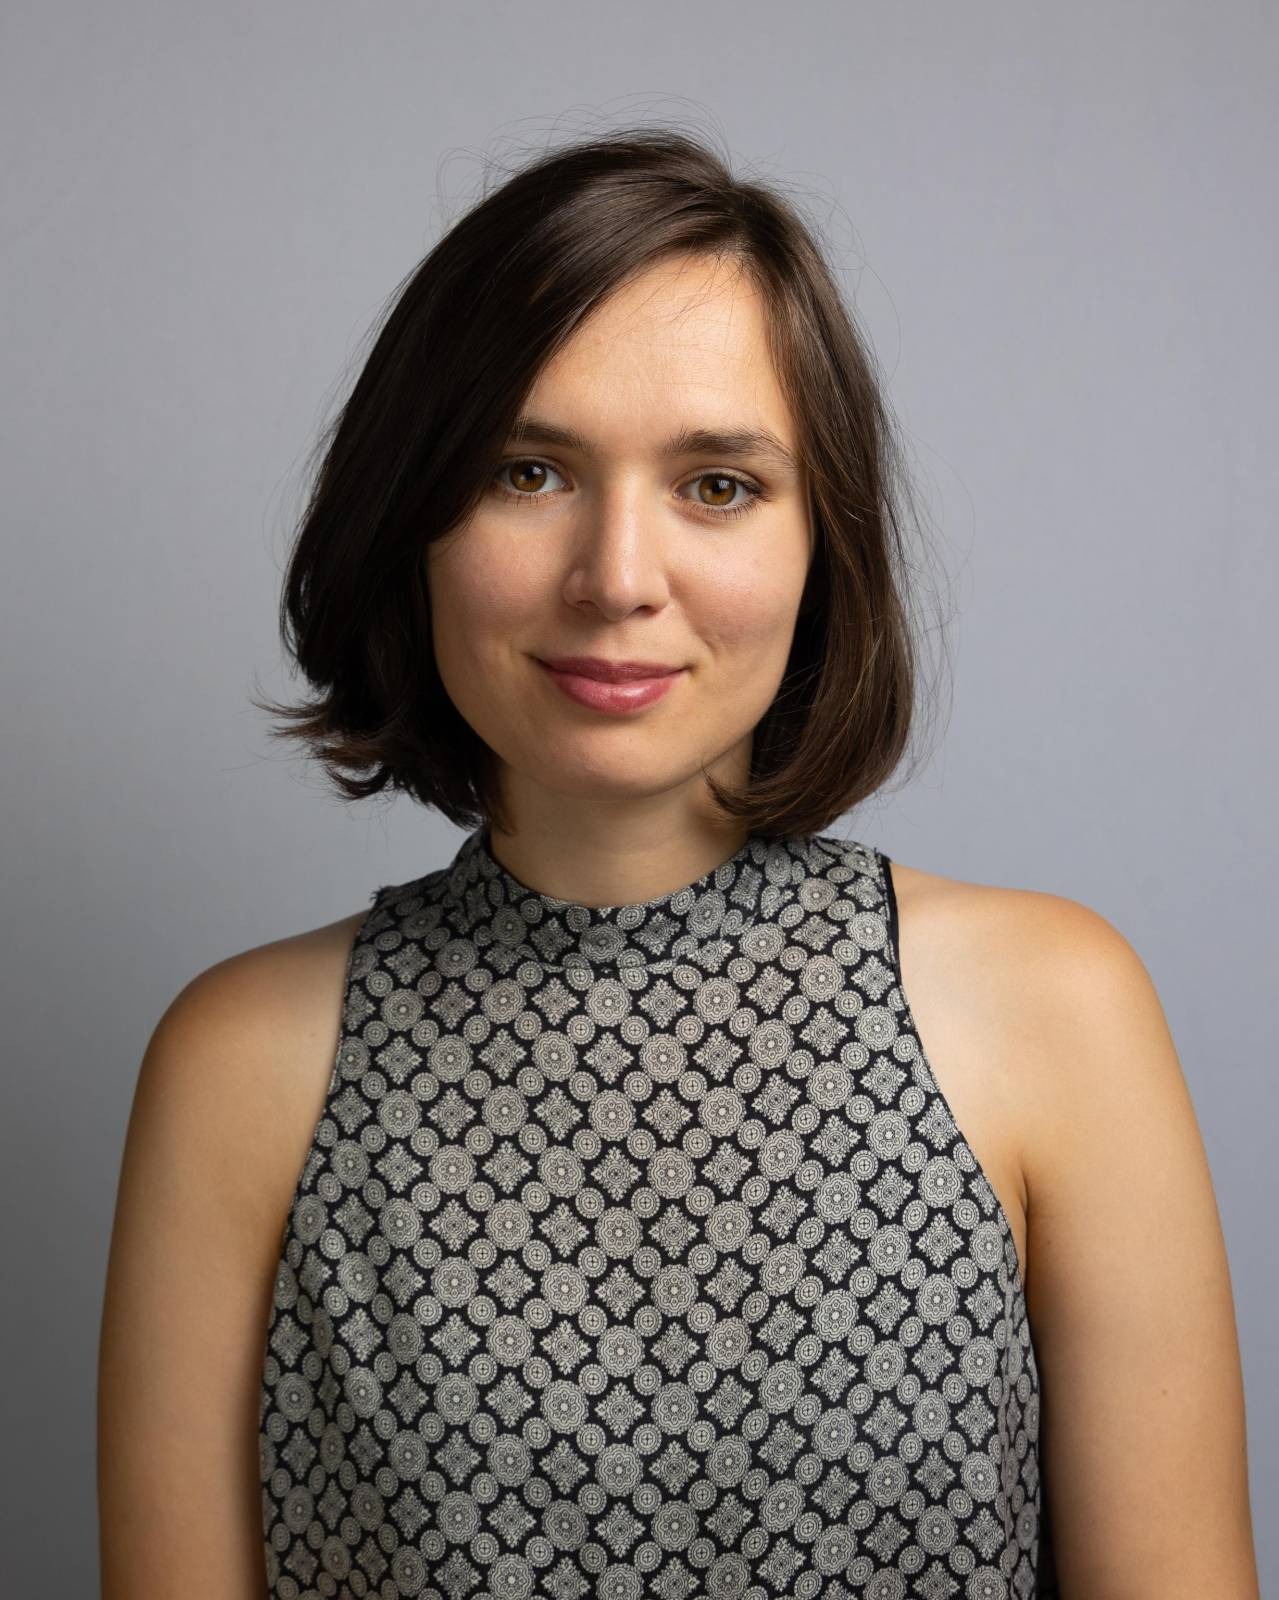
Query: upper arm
point(1128, 1289)
point(216, 1137)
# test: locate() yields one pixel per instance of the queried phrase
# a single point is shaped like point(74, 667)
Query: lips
point(604, 671)
point(630, 686)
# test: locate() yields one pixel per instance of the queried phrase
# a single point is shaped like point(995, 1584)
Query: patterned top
point(637, 1254)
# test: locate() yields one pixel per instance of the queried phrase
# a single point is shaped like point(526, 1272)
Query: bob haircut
point(416, 443)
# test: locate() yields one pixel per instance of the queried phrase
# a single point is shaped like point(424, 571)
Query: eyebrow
point(684, 442)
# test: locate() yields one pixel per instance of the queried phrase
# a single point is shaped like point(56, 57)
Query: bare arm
point(1128, 1289)
point(226, 1100)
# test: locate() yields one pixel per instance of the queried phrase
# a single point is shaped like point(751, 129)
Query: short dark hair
point(414, 447)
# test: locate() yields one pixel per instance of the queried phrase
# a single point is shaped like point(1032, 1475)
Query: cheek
point(748, 614)
point(481, 599)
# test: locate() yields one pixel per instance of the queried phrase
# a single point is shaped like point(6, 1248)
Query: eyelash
point(713, 512)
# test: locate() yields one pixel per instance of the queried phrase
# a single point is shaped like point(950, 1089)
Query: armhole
point(892, 923)
point(362, 935)
point(890, 913)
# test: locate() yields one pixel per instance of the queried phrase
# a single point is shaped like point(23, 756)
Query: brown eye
point(722, 493)
point(524, 477)
point(723, 485)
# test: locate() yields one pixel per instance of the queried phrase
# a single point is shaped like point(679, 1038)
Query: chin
point(634, 779)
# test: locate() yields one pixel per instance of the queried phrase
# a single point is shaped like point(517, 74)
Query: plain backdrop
point(1058, 228)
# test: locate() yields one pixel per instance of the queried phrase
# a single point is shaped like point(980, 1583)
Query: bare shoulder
point(1022, 924)
point(1052, 1043)
point(1057, 972)
point(251, 1041)
point(1024, 999)
point(226, 1099)
point(1074, 1005)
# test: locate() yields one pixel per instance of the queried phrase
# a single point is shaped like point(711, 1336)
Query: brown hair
point(414, 446)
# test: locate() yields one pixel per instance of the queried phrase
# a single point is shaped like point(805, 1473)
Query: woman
point(667, 1195)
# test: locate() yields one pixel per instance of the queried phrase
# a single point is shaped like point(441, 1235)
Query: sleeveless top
point(637, 1253)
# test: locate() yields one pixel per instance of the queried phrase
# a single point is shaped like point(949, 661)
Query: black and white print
point(637, 1256)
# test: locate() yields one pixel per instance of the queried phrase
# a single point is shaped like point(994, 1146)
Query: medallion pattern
point(637, 1255)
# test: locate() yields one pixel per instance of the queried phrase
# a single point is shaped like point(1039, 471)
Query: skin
point(623, 553)
point(1040, 1022)
point(1048, 1039)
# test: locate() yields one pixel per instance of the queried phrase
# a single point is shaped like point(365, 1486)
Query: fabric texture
point(637, 1253)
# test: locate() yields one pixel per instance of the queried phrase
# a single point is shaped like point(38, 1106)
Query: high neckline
point(491, 906)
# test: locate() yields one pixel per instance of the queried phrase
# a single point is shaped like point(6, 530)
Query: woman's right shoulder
point(272, 985)
point(244, 1052)
point(230, 1089)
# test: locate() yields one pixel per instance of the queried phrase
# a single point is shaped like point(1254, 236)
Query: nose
point(617, 557)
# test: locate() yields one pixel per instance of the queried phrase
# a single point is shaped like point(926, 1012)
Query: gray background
point(1058, 226)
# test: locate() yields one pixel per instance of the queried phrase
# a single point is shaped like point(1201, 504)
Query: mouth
point(605, 671)
point(628, 687)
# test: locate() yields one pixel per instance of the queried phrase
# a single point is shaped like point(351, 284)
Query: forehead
point(685, 341)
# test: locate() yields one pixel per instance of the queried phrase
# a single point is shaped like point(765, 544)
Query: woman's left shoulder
point(1077, 1017)
point(1045, 952)
point(1124, 1238)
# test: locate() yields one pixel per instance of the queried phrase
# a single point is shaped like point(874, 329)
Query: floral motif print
point(637, 1254)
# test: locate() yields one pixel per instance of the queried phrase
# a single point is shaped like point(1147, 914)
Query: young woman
point(667, 1195)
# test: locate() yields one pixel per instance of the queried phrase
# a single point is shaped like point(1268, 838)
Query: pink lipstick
point(614, 686)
